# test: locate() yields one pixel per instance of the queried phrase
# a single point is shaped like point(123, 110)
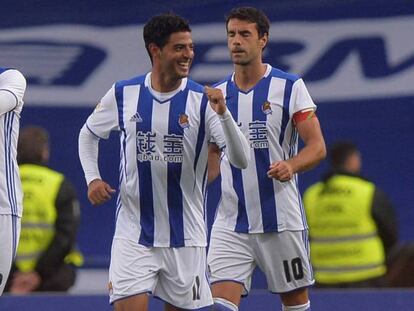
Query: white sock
point(304, 307)
point(225, 303)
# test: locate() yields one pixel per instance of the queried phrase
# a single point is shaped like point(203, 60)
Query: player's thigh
point(183, 279)
point(134, 303)
point(133, 270)
point(284, 259)
point(9, 238)
point(230, 259)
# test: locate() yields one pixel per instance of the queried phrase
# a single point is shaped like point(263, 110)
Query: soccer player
point(165, 123)
point(260, 219)
point(12, 88)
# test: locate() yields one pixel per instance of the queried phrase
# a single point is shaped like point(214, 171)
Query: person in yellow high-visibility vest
point(46, 258)
point(352, 225)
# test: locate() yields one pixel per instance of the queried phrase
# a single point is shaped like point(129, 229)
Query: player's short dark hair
point(252, 15)
point(340, 152)
point(159, 28)
point(33, 140)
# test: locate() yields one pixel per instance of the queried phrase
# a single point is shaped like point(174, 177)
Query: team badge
point(183, 121)
point(267, 108)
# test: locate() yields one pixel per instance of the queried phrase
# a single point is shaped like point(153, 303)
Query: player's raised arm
point(237, 147)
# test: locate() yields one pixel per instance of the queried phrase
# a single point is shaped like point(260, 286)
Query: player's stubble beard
point(179, 72)
point(242, 58)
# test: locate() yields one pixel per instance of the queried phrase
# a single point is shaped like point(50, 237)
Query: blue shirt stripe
point(201, 131)
point(262, 157)
point(174, 170)
point(145, 103)
point(285, 115)
point(242, 222)
point(119, 96)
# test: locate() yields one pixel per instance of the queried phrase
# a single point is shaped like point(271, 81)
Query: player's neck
point(164, 83)
point(247, 76)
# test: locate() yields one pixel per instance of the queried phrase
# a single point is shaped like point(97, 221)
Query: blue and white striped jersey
point(163, 166)
point(251, 202)
point(12, 88)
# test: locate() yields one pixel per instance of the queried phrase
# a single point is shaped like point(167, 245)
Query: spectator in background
point(46, 258)
point(352, 224)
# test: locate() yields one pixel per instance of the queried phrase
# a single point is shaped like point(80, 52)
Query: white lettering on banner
point(339, 59)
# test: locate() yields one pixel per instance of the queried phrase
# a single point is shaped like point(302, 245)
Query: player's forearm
point(88, 154)
point(238, 150)
point(308, 157)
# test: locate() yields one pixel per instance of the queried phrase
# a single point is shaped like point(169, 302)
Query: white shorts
point(9, 239)
point(175, 275)
point(282, 256)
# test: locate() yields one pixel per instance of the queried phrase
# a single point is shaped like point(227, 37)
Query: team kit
point(175, 137)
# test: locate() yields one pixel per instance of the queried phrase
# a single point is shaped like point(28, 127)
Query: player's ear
point(263, 40)
point(154, 50)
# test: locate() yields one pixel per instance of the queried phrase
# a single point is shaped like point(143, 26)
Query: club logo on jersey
point(136, 118)
point(183, 121)
point(267, 108)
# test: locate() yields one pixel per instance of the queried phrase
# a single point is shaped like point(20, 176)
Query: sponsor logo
point(136, 118)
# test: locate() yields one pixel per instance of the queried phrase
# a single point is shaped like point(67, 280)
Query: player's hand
point(24, 282)
point(99, 192)
point(280, 170)
point(216, 98)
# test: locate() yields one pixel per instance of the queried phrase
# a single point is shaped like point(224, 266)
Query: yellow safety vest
point(40, 188)
point(345, 246)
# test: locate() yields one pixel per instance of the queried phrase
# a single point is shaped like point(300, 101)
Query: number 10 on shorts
point(294, 268)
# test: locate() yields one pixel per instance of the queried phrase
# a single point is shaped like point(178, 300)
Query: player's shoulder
point(13, 76)
point(131, 81)
point(278, 73)
point(223, 82)
point(194, 86)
